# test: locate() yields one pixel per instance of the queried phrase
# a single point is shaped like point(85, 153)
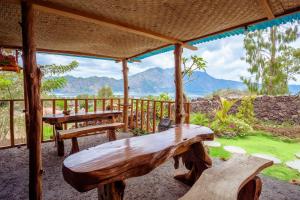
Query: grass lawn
point(260, 142)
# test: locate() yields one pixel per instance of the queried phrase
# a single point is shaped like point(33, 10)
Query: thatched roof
point(131, 28)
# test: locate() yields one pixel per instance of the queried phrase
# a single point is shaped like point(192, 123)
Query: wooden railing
point(144, 114)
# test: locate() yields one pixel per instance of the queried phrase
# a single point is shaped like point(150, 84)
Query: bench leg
point(111, 191)
point(60, 148)
point(252, 190)
point(111, 134)
point(196, 160)
point(75, 147)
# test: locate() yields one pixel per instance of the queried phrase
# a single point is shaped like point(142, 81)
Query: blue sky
point(223, 59)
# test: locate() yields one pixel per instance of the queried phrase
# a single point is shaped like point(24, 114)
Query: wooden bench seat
point(85, 131)
point(233, 179)
point(108, 165)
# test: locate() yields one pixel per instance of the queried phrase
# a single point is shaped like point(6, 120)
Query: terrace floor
point(159, 184)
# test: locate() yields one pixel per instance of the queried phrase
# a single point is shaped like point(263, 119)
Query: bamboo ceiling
point(126, 28)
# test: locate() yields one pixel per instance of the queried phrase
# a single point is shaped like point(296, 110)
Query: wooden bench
point(108, 165)
point(234, 179)
point(61, 135)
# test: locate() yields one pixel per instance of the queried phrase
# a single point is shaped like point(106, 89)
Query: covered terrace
point(121, 31)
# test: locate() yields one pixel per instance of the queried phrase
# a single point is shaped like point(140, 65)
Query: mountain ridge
point(153, 81)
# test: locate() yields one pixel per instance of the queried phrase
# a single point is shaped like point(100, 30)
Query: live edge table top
point(131, 157)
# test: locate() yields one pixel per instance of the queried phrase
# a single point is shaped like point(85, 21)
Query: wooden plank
point(111, 104)
point(107, 163)
point(266, 8)
point(131, 114)
point(125, 106)
point(86, 104)
point(238, 171)
point(90, 18)
point(169, 110)
point(137, 113)
point(142, 114)
point(119, 104)
point(76, 110)
point(11, 123)
point(95, 105)
point(178, 84)
point(53, 106)
point(188, 112)
point(154, 117)
point(77, 132)
point(103, 105)
point(65, 109)
point(33, 84)
point(80, 116)
point(161, 110)
point(148, 116)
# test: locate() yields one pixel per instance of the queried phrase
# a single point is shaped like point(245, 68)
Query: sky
point(223, 59)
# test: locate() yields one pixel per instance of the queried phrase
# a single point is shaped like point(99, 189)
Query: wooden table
point(106, 166)
point(59, 119)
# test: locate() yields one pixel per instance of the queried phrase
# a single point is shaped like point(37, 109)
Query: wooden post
point(178, 85)
point(11, 123)
point(125, 102)
point(26, 107)
point(154, 117)
point(32, 78)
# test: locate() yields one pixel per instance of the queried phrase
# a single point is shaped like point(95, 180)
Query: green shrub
point(200, 119)
point(139, 131)
point(246, 110)
point(222, 113)
point(231, 127)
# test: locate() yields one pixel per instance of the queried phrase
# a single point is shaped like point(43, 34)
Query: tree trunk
point(178, 84)
point(32, 80)
point(125, 106)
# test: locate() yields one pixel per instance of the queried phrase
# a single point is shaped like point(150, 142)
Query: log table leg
point(196, 160)
point(60, 143)
point(252, 190)
point(111, 134)
point(75, 146)
point(111, 191)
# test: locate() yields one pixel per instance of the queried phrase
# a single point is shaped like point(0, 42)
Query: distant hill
point(153, 81)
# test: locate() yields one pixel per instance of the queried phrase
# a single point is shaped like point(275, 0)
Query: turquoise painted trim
point(259, 26)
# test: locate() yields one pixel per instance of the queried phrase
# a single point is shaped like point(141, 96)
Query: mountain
point(153, 81)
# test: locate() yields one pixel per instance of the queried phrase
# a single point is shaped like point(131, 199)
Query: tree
point(272, 59)
point(105, 92)
point(11, 83)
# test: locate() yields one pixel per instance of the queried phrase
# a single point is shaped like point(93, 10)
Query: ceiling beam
point(264, 4)
point(90, 18)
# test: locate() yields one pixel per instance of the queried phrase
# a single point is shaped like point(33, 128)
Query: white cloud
point(223, 61)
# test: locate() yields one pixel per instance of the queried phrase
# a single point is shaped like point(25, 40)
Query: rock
point(267, 157)
point(212, 143)
point(297, 155)
point(235, 149)
point(294, 164)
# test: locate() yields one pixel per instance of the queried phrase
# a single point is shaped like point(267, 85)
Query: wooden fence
point(144, 114)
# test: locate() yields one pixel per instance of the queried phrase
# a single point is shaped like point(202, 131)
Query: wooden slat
point(86, 105)
point(88, 17)
point(95, 105)
point(266, 8)
point(161, 110)
point(65, 109)
point(142, 114)
point(42, 133)
point(68, 134)
point(53, 106)
point(154, 117)
point(169, 110)
point(187, 114)
point(148, 116)
point(76, 110)
point(103, 105)
point(131, 114)
point(111, 104)
point(137, 113)
point(119, 104)
point(11, 123)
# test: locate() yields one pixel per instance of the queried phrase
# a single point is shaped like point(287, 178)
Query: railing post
point(95, 105)
point(11, 123)
point(86, 105)
point(187, 114)
point(148, 116)
point(137, 113)
point(131, 113)
point(142, 114)
point(154, 117)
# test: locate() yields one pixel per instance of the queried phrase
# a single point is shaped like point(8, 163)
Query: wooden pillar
point(125, 106)
point(32, 80)
point(178, 85)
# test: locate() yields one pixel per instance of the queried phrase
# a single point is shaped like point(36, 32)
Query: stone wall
point(275, 108)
